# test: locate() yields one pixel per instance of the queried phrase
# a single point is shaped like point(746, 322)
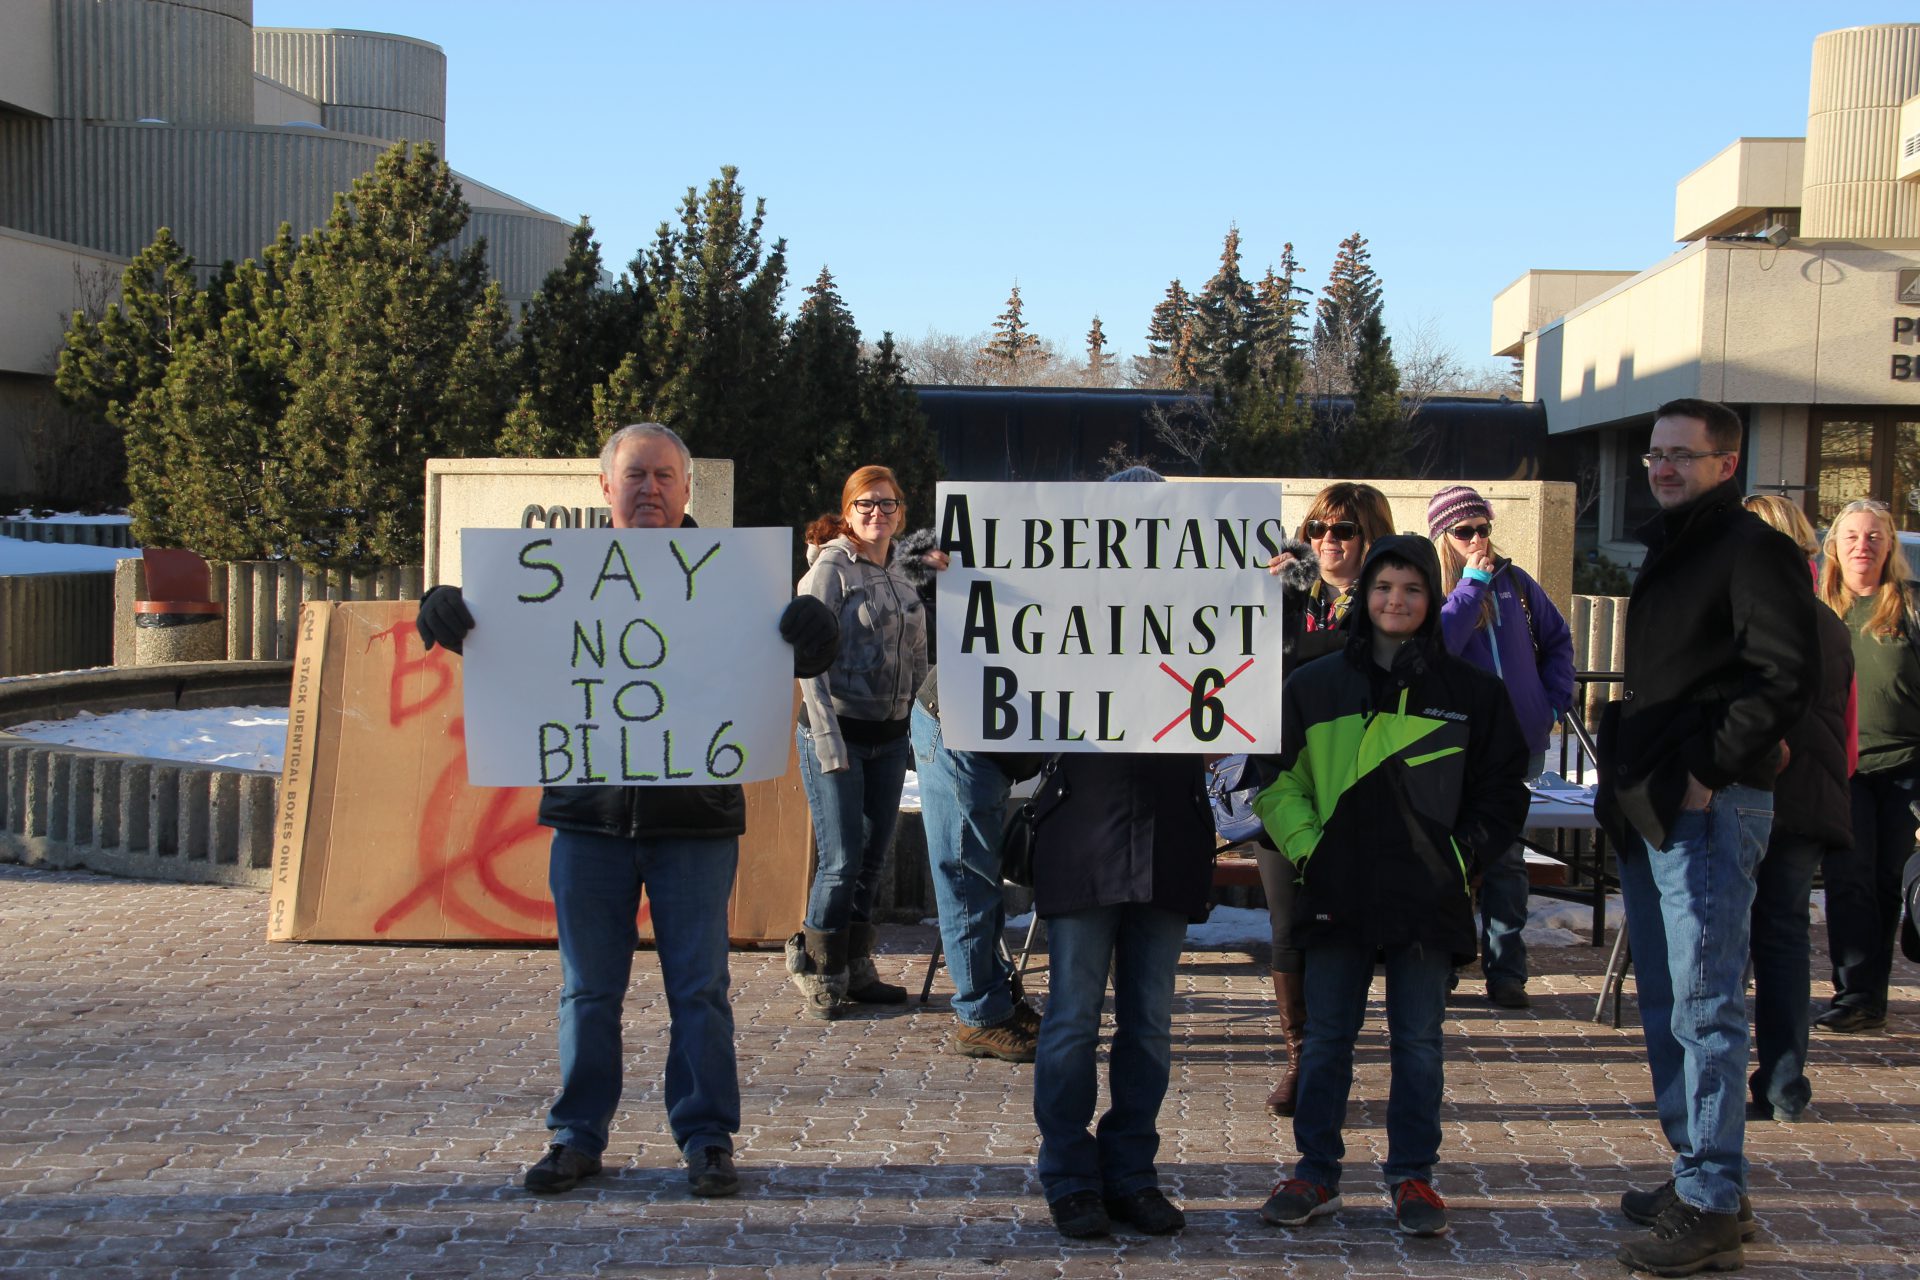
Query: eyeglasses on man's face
point(1339, 530)
point(1468, 532)
point(1681, 459)
point(885, 506)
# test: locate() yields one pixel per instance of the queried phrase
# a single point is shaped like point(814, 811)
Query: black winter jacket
point(1812, 797)
point(1393, 787)
point(1124, 829)
point(1721, 661)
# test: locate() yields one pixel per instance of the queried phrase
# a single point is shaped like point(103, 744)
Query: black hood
point(1419, 553)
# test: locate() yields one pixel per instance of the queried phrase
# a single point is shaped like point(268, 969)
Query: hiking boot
point(1079, 1215)
point(1007, 1040)
point(1645, 1207)
point(863, 979)
point(1295, 1201)
point(710, 1172)
point(1418, 1208)
point(1148, 1210)
point(1683, 1240)
point(1847, 1020)
point(817, 960)
point(561, 1169)
point(1508, 995)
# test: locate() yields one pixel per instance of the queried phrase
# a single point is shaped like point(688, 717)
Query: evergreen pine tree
point(1351, 298)
point(1282, 312)
point(1099, 358)
point(400, 355)
point(709, 354)
point(112, 369)
point(1013, 350)
point(893, 432)
point(1169, 360)
point(1224, 321)
point(823, 387)
point(571, 339)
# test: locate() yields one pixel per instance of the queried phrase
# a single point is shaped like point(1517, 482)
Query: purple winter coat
point(1541, 689)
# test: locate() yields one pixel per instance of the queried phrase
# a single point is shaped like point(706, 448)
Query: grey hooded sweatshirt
point(883, 646)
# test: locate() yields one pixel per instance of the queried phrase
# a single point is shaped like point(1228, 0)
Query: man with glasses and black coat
point(1720, 664)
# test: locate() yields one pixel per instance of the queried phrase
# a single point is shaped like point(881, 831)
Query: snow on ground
point(66, 517)
point(18, 557)
point(239, 737)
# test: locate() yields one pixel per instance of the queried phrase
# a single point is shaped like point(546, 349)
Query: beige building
point(118, 117)
point(1795, 298)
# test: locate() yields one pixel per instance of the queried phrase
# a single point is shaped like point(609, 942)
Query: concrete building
point(118, 117)
point(1795, 298)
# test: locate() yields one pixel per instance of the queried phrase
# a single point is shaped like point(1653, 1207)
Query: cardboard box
point(380, 839)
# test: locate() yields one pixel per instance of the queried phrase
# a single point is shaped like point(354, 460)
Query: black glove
point(810, 627)
point(443, 619)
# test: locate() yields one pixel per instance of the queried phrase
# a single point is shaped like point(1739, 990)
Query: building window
point(1867, 453)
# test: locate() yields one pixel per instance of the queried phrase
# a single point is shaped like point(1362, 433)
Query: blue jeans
point(1688, 912)
point(854, 813)
point(1141, 944)
point(963, 806)
point(1782, 973)
point(1504, 888)
point(1863, 889)
point(1337, 979)
point(596, 882)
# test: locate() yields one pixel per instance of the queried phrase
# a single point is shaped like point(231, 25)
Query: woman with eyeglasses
point(1318, 571)
point(1867, 582)
point(852, 736)
point(1500, 620)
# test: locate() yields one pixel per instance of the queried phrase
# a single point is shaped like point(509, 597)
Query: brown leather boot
point(863, 978)
point(1289, 993)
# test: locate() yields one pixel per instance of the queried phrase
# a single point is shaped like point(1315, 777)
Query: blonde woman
point(1500, 620)
point(1866, 582)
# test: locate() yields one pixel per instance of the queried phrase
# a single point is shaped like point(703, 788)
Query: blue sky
point(932, 154)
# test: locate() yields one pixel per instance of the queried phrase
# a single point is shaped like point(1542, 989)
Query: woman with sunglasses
point(1500, 620)
point(854, 749)
point(1866, 581)
point(1317, 572)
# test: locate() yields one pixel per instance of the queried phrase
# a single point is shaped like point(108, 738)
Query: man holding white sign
point(641, 730)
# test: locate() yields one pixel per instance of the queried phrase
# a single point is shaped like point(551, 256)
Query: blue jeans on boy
point(854, 813)
point(596, 882)
point(1141, 944)
point(963, 806)
point(1782, 974)
point(1688, 914)
point(1337, 979)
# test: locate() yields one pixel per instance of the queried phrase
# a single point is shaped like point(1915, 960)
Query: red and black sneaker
point(1418, 1208)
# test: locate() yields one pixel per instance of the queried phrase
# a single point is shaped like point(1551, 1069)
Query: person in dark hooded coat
point(1401, 772)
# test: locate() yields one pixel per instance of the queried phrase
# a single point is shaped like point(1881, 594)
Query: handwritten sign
point(1109, 617)
point(627, 657)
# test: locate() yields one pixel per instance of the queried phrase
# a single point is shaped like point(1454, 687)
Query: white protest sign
point(628, 657)
point(1110, 617)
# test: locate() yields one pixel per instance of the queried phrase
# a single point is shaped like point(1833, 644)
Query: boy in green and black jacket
point(1401, 770)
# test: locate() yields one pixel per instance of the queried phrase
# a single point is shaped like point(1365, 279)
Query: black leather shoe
point(1148, 1210)
point(561, 1169)
point(1847, 1020)
point(1079, 1215)
point(1684, 1240)
point(1645, 1207)
point(710, 1172)
point(1508, 995)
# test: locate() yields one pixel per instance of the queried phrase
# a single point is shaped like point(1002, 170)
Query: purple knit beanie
point(1453, 504)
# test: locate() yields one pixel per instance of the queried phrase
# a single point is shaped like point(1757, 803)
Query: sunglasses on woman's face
point(1339, 530)
point(1468, 532)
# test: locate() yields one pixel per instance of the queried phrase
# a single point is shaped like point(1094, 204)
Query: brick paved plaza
point(178, 1097)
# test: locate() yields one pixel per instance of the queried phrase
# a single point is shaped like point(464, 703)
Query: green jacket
point(1394, 787)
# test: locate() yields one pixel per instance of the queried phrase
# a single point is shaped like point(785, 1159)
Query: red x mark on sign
point(1212, 695)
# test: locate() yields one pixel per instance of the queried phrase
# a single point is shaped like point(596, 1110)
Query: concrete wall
point(1861, 75)
point(52, 280)
point(27, 78)
point(366, 82)
point(1540, 297)
point(1750, 176)
point(494, 493)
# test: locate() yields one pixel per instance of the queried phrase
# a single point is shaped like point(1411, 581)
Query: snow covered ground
point(20, 557)
point(240, 737)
